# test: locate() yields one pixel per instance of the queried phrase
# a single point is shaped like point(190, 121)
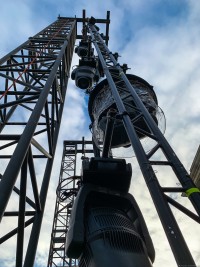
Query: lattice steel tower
point(93, 211)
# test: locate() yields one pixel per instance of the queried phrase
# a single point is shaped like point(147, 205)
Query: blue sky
point(160, 41)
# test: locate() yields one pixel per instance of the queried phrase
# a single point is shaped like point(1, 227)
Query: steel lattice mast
point(118, 83)
point(68, 187)
point(34, 77)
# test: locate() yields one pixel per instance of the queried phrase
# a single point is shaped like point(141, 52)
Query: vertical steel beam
point(108, 133)
point(21, 218)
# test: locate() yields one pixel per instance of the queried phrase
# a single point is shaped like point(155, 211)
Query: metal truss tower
point(34, 79)
point(68, 187)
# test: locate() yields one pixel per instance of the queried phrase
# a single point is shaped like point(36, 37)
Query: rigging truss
point(68, 186)
point(161, 154)
point(33, 82)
